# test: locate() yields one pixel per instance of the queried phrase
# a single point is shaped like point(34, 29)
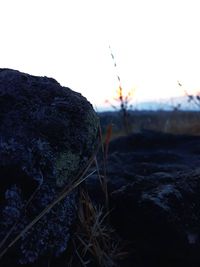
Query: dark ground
point(176, 122)
point(154, 188)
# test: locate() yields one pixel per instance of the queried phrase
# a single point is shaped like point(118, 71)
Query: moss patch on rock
point(66, 165)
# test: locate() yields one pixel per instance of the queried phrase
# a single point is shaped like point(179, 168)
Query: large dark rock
point(47, 134)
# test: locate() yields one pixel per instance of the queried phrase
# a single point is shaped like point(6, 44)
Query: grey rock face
point(47, 134)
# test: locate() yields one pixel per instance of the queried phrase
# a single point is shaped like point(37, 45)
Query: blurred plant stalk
point(124, 99)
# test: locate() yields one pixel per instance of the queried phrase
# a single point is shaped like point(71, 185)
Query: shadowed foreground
point(154, 185)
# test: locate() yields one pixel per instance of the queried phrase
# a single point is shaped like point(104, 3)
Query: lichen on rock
point(66, 165)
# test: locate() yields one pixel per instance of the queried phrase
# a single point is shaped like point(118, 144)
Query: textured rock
point(47, 134)
point(153, 186)
point(161, 216)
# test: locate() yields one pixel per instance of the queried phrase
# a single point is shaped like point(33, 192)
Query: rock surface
point(154, 189)
point(47, 134)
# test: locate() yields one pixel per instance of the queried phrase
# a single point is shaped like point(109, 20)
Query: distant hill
point(162, 104)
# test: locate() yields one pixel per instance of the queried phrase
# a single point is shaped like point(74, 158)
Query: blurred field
point(175, 122)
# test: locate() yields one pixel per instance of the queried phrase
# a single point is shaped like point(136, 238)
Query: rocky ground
point(154, 189)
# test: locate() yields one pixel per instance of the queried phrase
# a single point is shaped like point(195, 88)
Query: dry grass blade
point(104, 180)
point(95, 239)
point(107, 139)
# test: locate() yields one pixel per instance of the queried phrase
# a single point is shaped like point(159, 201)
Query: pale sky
point(155, 43)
